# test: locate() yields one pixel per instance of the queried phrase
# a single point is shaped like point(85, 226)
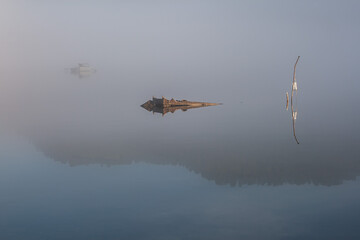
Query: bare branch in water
point(293, 89)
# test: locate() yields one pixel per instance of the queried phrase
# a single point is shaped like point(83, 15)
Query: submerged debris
point(163, 105)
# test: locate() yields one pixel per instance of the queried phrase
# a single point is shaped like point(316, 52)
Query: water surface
point(80, 159)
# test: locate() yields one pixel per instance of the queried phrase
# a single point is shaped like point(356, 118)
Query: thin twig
point(294, 79)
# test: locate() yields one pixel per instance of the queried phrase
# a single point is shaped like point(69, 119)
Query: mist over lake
point(110, 126)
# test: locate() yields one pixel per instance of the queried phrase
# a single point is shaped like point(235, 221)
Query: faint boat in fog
point(163, 105)
point(82, 70)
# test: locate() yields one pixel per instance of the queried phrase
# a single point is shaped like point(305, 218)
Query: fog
point(58, 129)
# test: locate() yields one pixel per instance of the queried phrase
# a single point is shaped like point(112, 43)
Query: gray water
point(80, 159)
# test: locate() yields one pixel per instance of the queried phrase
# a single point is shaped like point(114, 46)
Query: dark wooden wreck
point(163, 105)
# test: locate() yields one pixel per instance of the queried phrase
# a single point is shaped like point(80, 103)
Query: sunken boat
point(163, 105)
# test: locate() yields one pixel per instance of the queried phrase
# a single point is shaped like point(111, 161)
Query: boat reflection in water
point(163, 106)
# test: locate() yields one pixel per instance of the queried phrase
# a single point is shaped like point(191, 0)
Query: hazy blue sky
point(179, 34)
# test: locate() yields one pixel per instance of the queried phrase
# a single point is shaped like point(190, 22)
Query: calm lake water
point(80, 159)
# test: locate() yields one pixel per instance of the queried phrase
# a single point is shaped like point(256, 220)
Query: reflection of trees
point(224, 163)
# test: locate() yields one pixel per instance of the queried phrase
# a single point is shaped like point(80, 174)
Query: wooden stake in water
point(287, 101)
